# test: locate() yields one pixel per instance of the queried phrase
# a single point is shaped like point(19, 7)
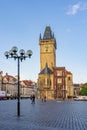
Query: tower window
point(69, 78)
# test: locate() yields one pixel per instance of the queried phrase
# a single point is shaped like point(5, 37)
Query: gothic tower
point(47, 49)
point(47, 62)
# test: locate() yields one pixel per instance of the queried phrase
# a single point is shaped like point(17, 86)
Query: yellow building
point(69, 84)
point(47, 49)
point(53, 82)
point(47, 62)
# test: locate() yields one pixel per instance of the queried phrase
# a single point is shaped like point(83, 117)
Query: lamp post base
point(18, 112)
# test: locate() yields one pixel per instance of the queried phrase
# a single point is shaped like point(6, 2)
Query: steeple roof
point(48, 33)
point(46, 70)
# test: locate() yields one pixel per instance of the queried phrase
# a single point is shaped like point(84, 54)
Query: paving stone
point(52, 115)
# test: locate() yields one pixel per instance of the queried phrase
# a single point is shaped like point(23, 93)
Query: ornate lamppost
point(22, 56)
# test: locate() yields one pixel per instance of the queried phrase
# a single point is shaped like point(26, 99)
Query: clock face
point(46, 48)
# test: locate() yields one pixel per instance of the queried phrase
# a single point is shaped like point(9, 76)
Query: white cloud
point(73, 9)
point(76, 7)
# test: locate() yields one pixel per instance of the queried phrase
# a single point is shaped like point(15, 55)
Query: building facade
point(77, 89)
point(60, 82)
point(28, 88)
point(10, 85)
point(63, 83)
point(47, 49)
point(69, 85)
point(53, 82)
point(47, 62)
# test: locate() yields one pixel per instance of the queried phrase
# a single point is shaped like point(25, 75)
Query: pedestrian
point(44, 98)
point(33, 99)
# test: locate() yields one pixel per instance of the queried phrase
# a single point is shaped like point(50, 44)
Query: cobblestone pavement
point(52, 115)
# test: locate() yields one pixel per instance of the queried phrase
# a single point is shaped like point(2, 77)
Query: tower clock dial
point(46, 48)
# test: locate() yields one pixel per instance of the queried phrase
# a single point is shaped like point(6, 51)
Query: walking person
point(44, 98)
point(33, 99)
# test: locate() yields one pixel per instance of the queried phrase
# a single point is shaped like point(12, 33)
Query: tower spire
point(40, 37)
point(47, 33)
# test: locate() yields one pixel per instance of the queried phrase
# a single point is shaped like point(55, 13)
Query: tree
point(83, 91)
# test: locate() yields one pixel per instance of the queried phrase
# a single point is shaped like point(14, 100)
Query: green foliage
point(83, 91)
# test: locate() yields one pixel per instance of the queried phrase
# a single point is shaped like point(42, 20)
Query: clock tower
point(47, 63)
point(53, 82)
point(47, 49)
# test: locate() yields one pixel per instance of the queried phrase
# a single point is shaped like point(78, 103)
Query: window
point(69, 78)
point(59, 80)
point(59, 73)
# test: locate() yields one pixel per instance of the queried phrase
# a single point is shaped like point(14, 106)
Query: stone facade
point(77, 89)
point(28, 88)
point(47, 49)
point(9, 85)
point(63, 83)
point(53, 82)
point(47, 62)
point(69, 85)
point(60, 82)
point(45, 83)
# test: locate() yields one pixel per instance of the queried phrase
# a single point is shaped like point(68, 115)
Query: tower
point(47, 62)
point(53, 82)
point(47, 49)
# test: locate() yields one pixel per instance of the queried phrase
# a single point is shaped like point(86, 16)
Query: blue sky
point(22, 21)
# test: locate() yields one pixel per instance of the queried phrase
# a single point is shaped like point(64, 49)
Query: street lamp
point(22, 56)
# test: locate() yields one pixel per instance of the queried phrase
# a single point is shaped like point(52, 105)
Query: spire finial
point(40, 37)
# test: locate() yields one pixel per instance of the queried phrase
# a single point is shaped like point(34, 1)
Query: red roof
point(68, 72)
point(8, 77)
point(27, 82)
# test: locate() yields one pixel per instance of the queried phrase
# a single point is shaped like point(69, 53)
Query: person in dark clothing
point(44, 98)
point(33, 99)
